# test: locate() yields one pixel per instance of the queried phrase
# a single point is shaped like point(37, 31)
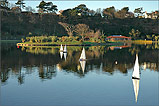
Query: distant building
point(117, 38)
point(153, 15)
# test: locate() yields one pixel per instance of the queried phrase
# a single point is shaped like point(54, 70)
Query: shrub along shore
point(86, 43)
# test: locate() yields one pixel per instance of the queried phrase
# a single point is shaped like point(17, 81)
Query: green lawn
point(59, 43)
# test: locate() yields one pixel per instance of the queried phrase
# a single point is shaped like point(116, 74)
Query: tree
point(138, 11)
point(82, 9)
point(4, 3)
point(53, 38)
point(125, 9)
point(122, 13)
point(152, 37)
point(109, 12)
point(52, 8)
point(134, 33)
point(47, 7)
point(66, 12)
point(41, 7)
point(20, 4)
point(82, 30)
point(69, 28)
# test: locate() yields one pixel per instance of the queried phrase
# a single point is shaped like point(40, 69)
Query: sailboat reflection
point(83, 60)
point(65, 49)
point(136, 78)
point(65, 55)
point(83, 64)
point(61, 54)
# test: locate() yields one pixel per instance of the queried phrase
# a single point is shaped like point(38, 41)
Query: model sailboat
point(83, 55)
point(136, 78)
point(61, 48)
point(136, 72)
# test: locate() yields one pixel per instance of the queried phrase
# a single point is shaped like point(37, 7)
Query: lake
point(42, 76)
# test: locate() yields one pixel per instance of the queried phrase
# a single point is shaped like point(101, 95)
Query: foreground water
point(40, 76)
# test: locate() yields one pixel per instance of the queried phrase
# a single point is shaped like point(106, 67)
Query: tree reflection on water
point(47, 60)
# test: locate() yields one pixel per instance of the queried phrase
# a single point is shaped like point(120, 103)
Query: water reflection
point(82, 60)
point(61, 54)
point(65, 55)
point(136, 77)
point(83, 63)
point(46, 60)
point(136, 87)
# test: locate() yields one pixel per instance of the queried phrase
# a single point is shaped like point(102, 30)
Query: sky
point(148, 6)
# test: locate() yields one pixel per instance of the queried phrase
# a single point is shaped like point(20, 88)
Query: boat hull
point(135, 78)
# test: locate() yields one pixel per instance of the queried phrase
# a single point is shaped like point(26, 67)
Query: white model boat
point(61, 48)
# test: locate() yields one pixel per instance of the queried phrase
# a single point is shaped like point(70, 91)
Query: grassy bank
point(141, 41)
point(86, 43)
point(74, 43)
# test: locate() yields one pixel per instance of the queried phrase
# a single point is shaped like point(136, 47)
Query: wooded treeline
point(17, 24)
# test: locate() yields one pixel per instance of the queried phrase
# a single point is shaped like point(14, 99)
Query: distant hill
point(17, 25)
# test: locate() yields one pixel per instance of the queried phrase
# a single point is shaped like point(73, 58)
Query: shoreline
point(78, 43)
point(68, 44)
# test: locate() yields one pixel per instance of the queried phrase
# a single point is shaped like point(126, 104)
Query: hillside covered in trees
point(17, 24)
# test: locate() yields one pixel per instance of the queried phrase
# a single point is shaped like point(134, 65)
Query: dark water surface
point(38, 76)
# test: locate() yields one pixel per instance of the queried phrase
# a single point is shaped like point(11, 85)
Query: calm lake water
point(42, 76)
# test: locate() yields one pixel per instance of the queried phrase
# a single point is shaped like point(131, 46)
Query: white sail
point(83, 63)
point(136, 87)
point(136, 73)
point(83, 54)
point(61, 48)
point(61, 54)
point(65, 55)
point(65, 49)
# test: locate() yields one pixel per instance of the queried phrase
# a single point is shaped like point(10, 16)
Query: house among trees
point(117, 38)
point(153, 15)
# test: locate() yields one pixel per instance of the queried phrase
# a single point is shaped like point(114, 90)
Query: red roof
point(118, 37)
